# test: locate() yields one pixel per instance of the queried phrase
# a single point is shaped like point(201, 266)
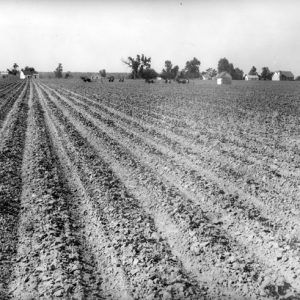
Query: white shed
point(224, 78)
point(22, 76)
point(251, 77)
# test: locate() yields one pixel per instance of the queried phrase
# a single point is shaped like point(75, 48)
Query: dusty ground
point(135, 191)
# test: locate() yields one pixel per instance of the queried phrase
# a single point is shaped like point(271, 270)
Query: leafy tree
point(253, 71)
point(223, 65)
point(211, 72)
point(169, 72)
point(149, 73)
point(59, 71)
point(138, 65)
point(102, 73)
point(14, 70)
point(238, 74)
point(174, 71)
point(297, 78)
point(192, 68)
point(266, 74)
point(29, 69)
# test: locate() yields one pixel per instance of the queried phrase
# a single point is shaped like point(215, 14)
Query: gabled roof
point(223, 75)
point(286, 73)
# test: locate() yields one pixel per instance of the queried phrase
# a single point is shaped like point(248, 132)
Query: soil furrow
point(131, 231)
point(11, 157)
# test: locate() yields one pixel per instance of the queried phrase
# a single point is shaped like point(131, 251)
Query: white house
point(282, 75)
point(251, 77)
point(224, 78)
point(22, 76)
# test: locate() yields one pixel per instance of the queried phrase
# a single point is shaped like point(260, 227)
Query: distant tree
point(138, 65)
point(169, 72)
point(297, 78)
point(192, 68)
point(223, 65)
point(102, 73)
point(266, 74)
point(237, 74)
point(211, 72)
point(29, 69)
point(149, 73)
point(68, 75)
point(59, 71)
point(253, 71)
point(14, 70)
point(174, 71)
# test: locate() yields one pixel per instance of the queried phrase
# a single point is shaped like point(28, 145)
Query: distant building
point(224, 78)
point(251, 77)
point(283, 75)
point(3, 74)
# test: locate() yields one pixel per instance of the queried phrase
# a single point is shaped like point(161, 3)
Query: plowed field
point(136, 191)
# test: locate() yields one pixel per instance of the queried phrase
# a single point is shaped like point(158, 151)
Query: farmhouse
point(251, 77)
point(282, 75)
point(224, 78)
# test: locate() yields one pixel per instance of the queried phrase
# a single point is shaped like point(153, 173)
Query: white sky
point(92, 35)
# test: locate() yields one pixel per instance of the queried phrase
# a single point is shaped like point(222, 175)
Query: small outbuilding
point(22, 75)
point(283, 75)
point(224, 78)
point(249, 77)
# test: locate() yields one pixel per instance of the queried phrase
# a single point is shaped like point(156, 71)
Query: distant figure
point(168, 81)
point(111, 78)
point(149, 80)
point(121, 79)
point(86, 79)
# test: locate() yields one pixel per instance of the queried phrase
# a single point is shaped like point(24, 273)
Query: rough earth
point(134, 191)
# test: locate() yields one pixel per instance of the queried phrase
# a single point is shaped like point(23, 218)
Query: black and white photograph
point(149, 149)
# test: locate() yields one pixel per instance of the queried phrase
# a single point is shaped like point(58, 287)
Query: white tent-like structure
point(224, 78)
point(22, 76)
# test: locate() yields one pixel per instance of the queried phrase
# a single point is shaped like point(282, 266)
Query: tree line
point(141, 68)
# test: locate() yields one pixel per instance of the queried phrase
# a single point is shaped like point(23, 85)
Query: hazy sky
point(92, 35)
